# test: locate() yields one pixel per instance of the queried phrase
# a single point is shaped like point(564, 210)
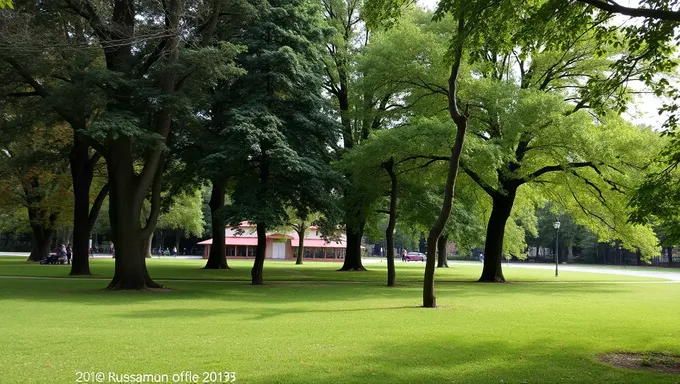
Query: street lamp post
point(556, 225)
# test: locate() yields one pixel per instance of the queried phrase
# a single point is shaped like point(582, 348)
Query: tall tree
point(61, 80)
point(147, 86)
point(360, 102)
point(275, 117)
point(35, 175)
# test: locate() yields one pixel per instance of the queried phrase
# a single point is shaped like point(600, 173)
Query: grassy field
point(309, 325)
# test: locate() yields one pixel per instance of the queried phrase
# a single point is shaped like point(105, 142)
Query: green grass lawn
point(308, 326)
point(172, 269)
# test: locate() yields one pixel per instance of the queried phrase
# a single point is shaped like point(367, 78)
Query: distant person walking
point(481, 258)
point(403, 255)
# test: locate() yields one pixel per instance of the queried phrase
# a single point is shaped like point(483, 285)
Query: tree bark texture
point(353, 254)
point(389, 232)
point(442, 262)
point(84, 216)
point(258, 265)
point(124, 214)
point(42, 243)
point(81, 175)
point(495, 231)
point(217, 259)
point(301, 245)
point(146, 246)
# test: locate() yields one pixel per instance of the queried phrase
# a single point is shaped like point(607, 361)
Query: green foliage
point(14, 220)
point(272, 118)
point(185, 214)
point(33, 166)
point(657, 199)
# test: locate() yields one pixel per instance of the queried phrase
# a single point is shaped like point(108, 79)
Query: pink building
point(279, 245)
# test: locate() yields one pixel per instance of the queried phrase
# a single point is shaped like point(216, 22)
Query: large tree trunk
point(442, 262)
point(258, 265)
point(129, 189)
point(81, 175)
point(217, 259)
point(146, 246)
point(84, 217)
point(125, 207)
point(429, 299)
point(495, 231)
point(41, 222)
point(301, 244)
point(352, 260)
point(42, 242)
point(389, 232)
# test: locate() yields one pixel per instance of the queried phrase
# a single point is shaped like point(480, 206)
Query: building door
point(279, 251)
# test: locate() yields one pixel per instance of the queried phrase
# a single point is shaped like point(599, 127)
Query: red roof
point(236, 240)
point(319, 243)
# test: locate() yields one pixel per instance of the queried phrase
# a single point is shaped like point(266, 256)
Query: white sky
point(644, 110)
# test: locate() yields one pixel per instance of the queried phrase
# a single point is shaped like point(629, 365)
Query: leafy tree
point(363, 96)
point(34, 174)
point(184, 216)
point(143, 81)
point(61, 82)
point(274, 117)
point(300, 224)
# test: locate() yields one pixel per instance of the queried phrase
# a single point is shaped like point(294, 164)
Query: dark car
point(414, 256)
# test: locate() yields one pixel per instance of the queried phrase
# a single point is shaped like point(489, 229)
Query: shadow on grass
point(255, 314)
point(92, 292)
point(486, 360)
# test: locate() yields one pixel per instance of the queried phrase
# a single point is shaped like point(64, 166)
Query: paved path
point(106, 256)
point(673, 276)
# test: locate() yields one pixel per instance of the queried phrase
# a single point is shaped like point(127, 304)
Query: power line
point(98, 44)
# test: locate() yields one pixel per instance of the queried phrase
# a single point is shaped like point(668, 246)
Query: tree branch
point(435, 158)
point(155, 200)
point(613, 7)
point(94, 160)
point(155, 55)
point(23, 94)
point(491, 191)
point(39, 89)
point(86, 10)
point(554, 168)
point(96, 206)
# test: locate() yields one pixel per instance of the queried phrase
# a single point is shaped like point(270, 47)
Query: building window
point(330, 253)
point(318, 253)
point(231, 250)
point(240, 251)
point(252, 251)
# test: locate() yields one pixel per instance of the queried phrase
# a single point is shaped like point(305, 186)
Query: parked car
point(414, 256)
